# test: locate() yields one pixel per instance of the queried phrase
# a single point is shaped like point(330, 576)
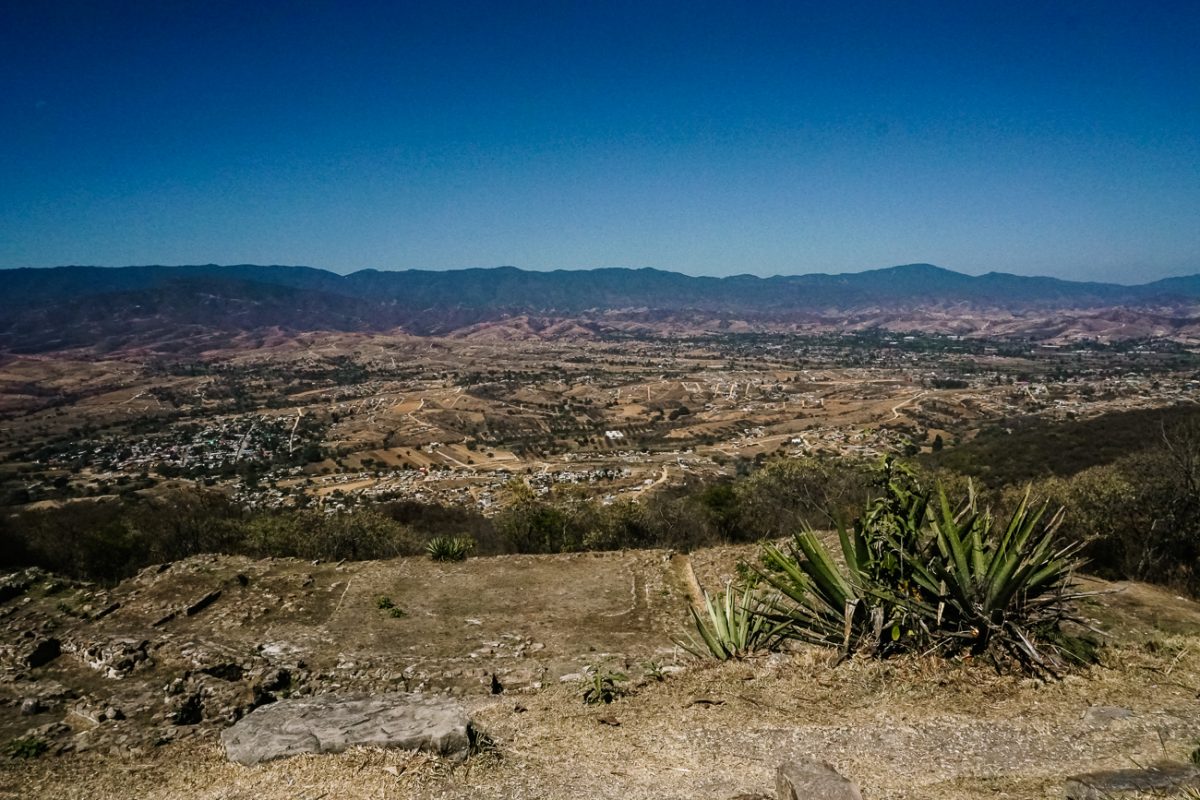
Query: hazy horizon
point(589, 269)
point(701, 138)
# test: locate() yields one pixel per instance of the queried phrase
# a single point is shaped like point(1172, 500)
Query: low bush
point(604, 686)
point(108, 541)
point(1138, 518)
point(25, 747)
point(357, 535)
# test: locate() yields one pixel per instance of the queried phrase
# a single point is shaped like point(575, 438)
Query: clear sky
point(707, 138)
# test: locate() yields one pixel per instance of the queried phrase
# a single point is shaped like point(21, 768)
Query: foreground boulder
point(810, 779)
point(331, 724)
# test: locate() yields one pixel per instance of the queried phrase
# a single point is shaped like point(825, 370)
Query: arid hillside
point(127, 687)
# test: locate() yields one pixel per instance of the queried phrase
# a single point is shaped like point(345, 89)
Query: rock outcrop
point(1114, 783)
point(330, 724)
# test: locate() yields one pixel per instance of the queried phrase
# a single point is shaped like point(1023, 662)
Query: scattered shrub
point(779, 498)
point(654, 670)
point(25, 747)
point(449, 548)
point(356, 535)
point(1139, 517)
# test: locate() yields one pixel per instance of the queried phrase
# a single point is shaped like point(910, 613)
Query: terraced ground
point(910, 728)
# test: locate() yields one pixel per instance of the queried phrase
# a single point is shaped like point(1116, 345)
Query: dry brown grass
point(908, 728)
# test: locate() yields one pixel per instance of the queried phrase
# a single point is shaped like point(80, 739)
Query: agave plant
point(863, 605)
point(916, 579)
point(449, 548)
point(734, 625)
point(822, 603)
point(1010, 590)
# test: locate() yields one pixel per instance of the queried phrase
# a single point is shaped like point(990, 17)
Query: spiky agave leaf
point(449, 548)
point(733, 625)
point(1002, 590)
point(812, 601)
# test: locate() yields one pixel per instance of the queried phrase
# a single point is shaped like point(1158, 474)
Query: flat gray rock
point(810, 779)
point(330, 724)
point(1110, 783)
point(1103, 716)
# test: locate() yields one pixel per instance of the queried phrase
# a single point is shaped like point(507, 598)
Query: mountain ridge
point(53, 308)
point(290, 274)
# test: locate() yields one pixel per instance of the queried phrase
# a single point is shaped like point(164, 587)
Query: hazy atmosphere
point(706, 138)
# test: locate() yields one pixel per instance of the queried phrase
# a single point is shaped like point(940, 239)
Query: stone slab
point(1112, 783)
point(331, 724)
point(810, 779)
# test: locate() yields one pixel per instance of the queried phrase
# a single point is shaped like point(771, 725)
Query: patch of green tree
point(1021, 450)
point(1134, 516)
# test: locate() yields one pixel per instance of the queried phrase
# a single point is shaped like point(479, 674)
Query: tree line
point(1136, 516)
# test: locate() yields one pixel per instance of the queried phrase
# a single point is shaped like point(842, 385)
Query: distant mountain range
point(167, 307)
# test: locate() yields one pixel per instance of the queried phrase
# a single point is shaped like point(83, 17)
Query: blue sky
point(708, 138)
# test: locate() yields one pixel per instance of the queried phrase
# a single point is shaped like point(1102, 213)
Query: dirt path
point(896, 408)
point(662, 478)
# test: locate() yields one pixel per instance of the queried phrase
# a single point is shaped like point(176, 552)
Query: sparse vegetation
point(1139, 517)
point(654, 670)
point(25, 747)
point(1016, 451)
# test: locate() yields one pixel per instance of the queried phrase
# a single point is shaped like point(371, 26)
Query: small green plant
point(735, 625)
point(26, 747)
point(384, 603)
point(450, 548)
point(604, 687)
point(69, 610)
point(654, 670)
point(746, 574)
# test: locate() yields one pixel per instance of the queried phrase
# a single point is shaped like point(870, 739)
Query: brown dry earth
point(902, 729)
